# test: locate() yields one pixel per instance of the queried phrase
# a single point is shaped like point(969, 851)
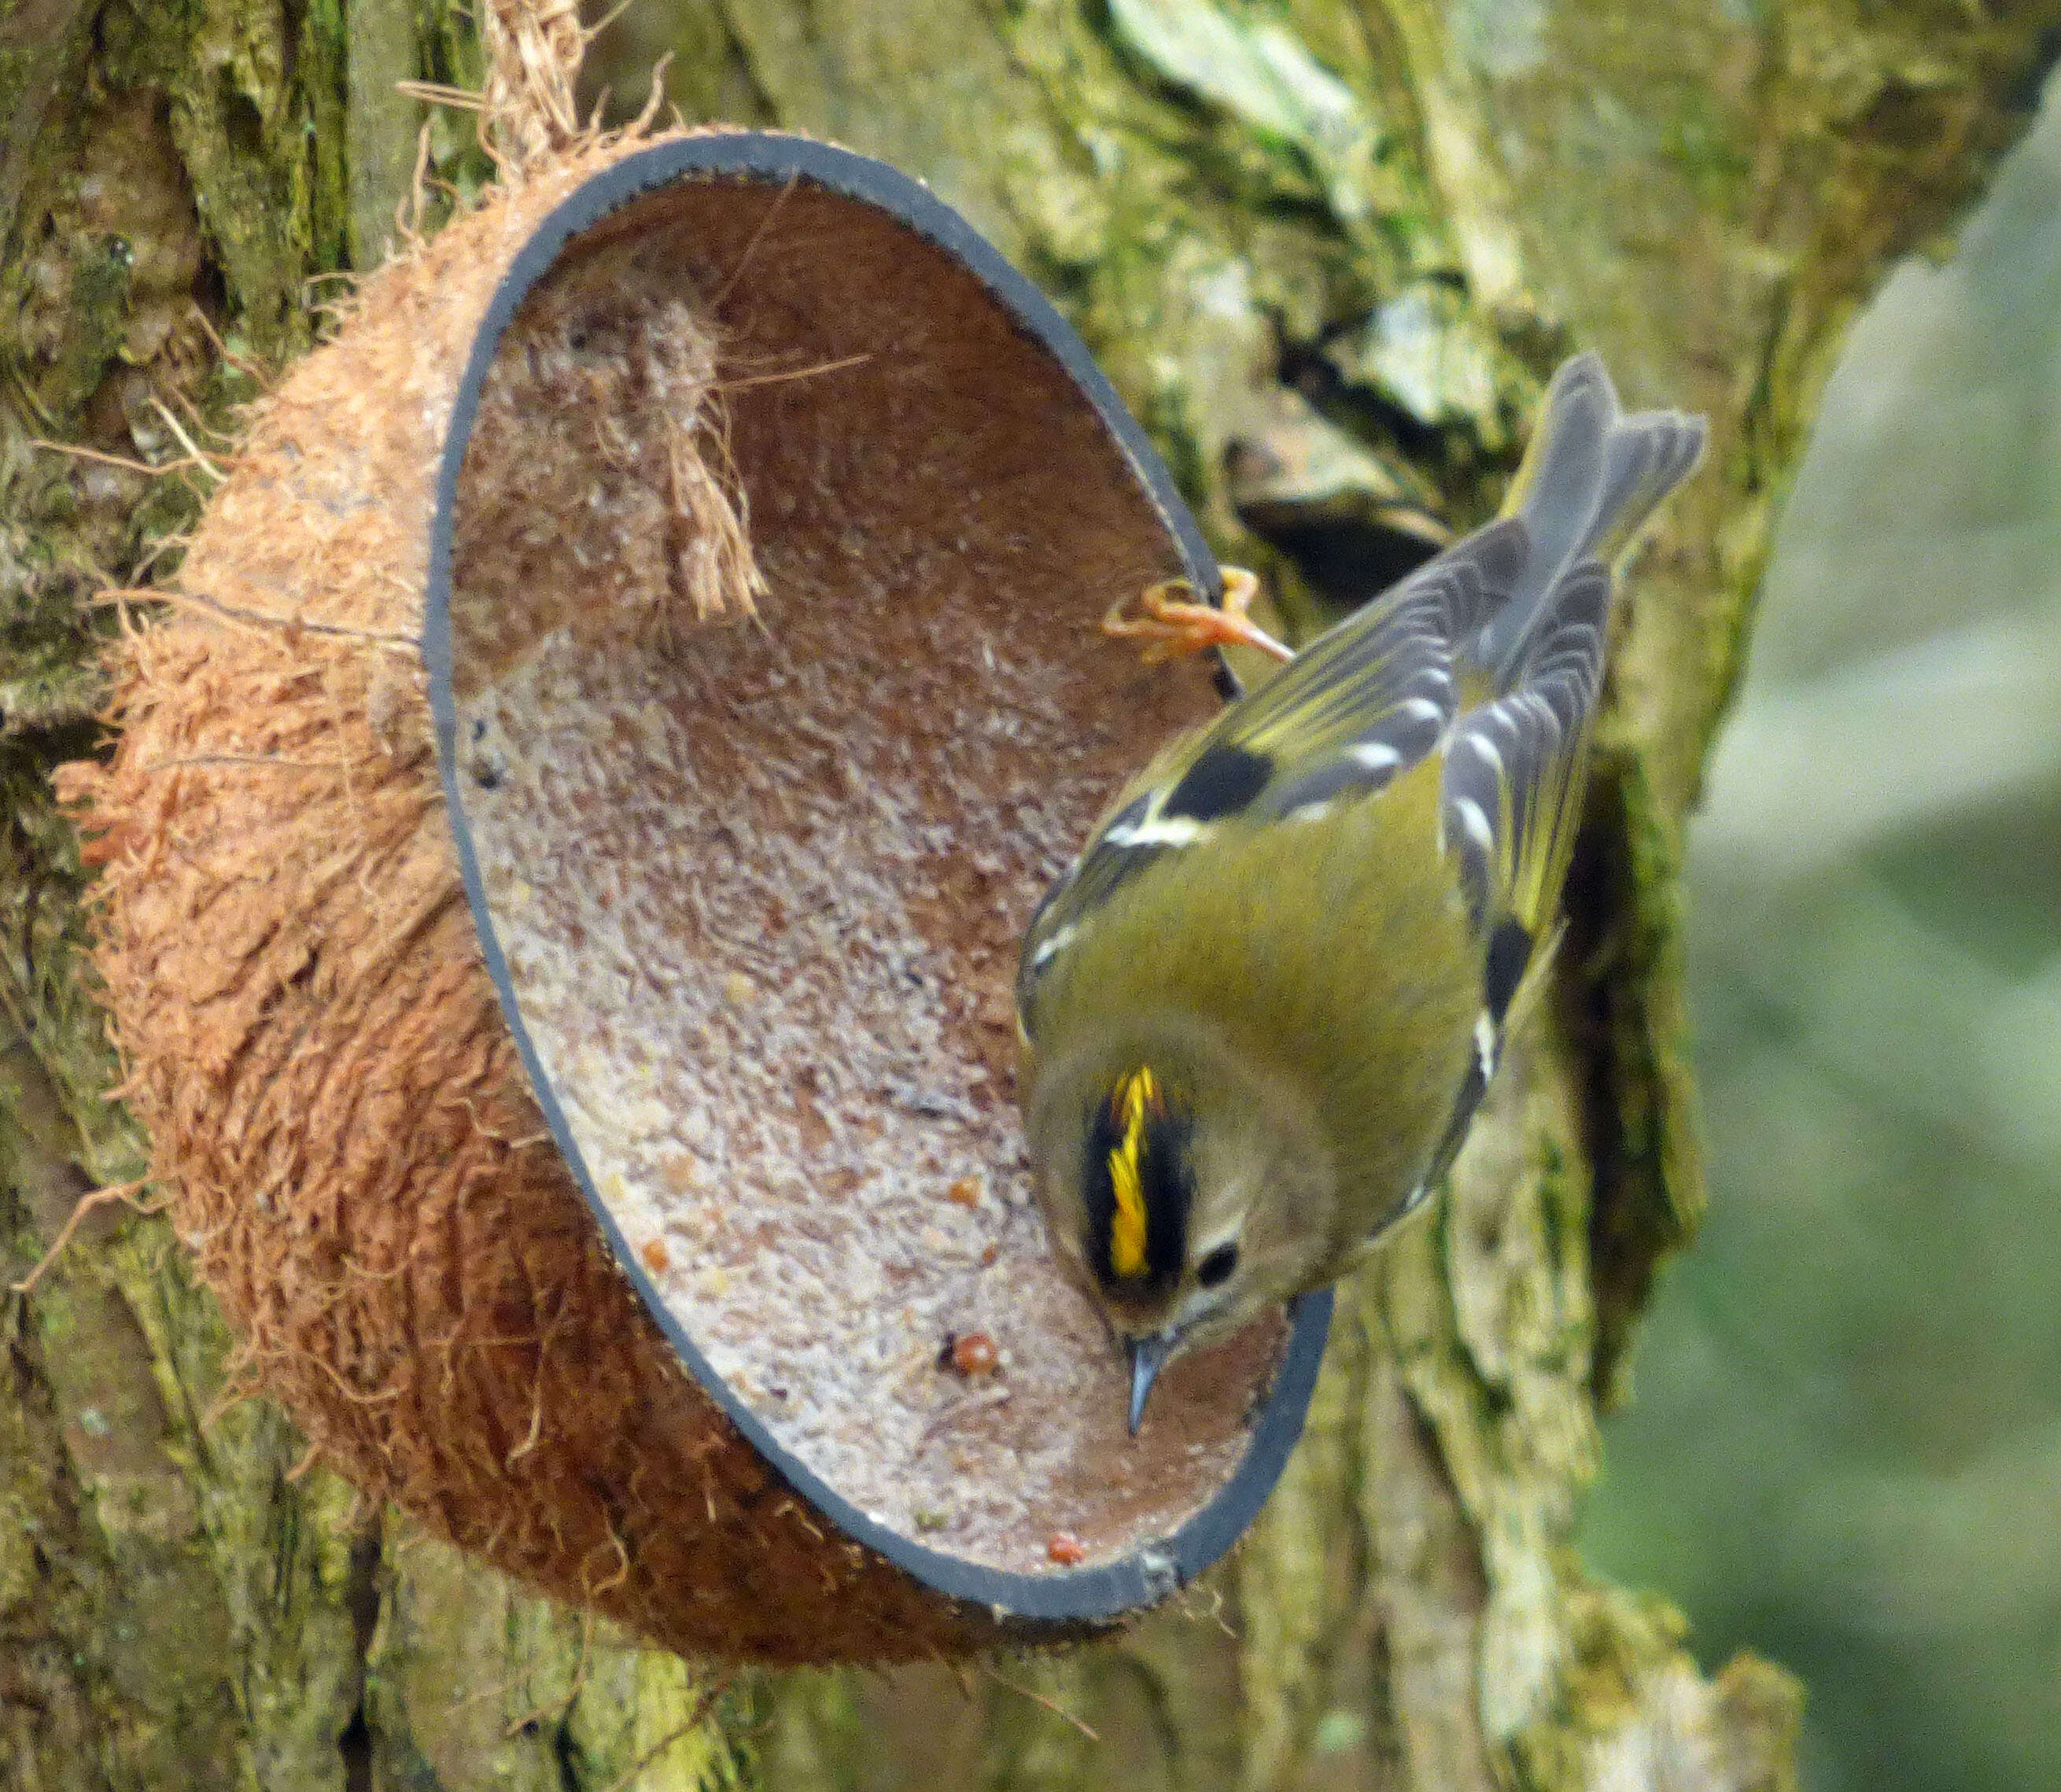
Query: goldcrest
point(1260, 1009)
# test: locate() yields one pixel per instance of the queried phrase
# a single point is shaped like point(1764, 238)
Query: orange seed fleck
point(973, 1353)
point(657, 1259)
point(1066, 1549)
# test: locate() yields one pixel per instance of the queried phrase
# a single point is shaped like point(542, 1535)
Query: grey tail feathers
point(1591, 479)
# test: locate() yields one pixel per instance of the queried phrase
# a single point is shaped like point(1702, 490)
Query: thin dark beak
point(1148, 1357)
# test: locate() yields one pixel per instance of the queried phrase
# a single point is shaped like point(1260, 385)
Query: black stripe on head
point(1135, 1130)
point(1223, 780)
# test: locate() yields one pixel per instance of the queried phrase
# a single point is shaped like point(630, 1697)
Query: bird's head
point(1185, 1193)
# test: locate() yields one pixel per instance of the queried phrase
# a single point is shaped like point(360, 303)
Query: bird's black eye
point(1215, 1269)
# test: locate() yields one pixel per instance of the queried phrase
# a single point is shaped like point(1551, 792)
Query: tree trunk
point(1329, 253)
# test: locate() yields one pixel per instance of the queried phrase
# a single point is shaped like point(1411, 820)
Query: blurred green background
point(1843, 1448)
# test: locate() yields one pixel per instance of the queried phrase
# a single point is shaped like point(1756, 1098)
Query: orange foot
point(1172, 627)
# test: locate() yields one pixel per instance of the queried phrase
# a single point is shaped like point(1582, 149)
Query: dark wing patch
point(1224, 779)
point(1509, 953)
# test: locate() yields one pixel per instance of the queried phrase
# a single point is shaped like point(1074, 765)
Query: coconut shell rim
point(1153, 1568)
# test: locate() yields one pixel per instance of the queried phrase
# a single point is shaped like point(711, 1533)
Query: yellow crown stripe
point(1126, 1225)
point(1137, 1095)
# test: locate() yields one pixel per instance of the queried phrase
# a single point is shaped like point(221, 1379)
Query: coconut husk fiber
point(774, 563)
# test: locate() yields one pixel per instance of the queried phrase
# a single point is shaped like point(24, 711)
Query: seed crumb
point(973, 1353)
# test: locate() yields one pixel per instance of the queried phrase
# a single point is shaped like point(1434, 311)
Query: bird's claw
point(1173, 627)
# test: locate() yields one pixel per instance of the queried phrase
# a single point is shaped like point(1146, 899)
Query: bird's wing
point(1516, 766)
point(1361, 705)
point(1510, 791)
point(1518, 609)
point(1511, 794)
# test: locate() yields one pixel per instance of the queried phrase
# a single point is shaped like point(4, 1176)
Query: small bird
point(1260, 1010)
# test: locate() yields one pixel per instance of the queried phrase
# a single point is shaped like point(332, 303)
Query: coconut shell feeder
point(562, 865)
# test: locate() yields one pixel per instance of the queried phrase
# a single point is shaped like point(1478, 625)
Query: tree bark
point(1329, 252)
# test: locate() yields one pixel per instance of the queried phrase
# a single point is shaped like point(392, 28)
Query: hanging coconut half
point(562, 860)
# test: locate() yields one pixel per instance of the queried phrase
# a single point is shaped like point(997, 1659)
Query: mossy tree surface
point(1329, 253)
